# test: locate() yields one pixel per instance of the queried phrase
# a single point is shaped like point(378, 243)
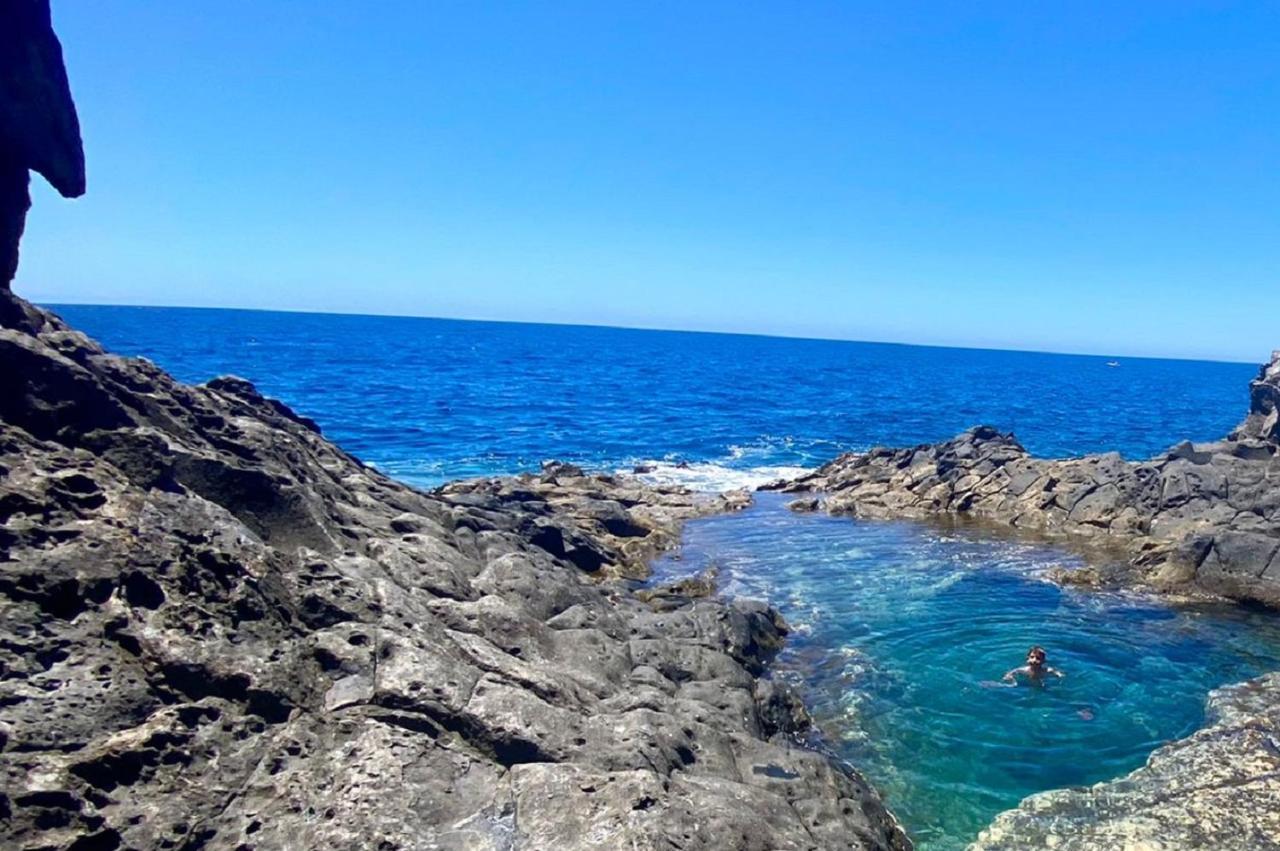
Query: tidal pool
point(901, 631)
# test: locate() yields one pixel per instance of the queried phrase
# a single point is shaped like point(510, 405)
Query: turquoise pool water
point(901, 629)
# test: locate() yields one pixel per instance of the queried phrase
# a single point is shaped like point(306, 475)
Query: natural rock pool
point(901, 630)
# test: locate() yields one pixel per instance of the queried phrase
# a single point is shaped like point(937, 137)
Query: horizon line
point(650, 328)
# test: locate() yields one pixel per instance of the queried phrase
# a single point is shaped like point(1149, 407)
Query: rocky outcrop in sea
point(221, 631)
point(1202, 518)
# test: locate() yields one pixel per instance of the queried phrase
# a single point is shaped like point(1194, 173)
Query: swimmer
point(1035, 670)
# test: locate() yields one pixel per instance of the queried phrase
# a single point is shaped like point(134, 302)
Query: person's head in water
point(1035, 670)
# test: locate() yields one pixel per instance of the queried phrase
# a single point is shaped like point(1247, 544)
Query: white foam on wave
point(710, 477)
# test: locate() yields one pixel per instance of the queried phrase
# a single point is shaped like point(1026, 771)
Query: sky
point(1084, 177)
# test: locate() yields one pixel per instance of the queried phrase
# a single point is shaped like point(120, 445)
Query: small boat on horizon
point(1113, 363)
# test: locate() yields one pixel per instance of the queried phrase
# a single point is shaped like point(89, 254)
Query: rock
point(601, 523)
point(1150, 513)
point(1263, 421)
point(219, 630)
point(39, 130)
point(1215, 789)
point(552, 470)
point(1187, 451)
point(805, 505)
point(675, 594)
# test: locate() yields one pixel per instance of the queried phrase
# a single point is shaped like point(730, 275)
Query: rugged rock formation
point(220, 631)
point(1216, 789)
point(1263, 422)
point(1202, 517)
point(39, 130)
point(636, 521)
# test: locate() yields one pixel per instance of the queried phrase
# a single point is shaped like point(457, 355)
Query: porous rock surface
point(219, 631)
point(1200, 518)
point(39, 129)
point(1216, 789)
point(1263, 421)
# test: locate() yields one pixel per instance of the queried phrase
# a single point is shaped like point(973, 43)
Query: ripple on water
point(902, 632)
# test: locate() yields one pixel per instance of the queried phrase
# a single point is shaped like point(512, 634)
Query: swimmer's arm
point(1056, 672)
point(1011, 676)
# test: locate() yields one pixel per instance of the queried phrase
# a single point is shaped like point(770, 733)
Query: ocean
point(429, 400)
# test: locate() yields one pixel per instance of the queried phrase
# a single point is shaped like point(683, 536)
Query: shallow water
point(902, 628)
point(429, 400)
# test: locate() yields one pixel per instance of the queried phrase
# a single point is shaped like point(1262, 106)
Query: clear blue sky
point(1098, 177)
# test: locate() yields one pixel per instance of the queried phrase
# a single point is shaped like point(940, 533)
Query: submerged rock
point(1215, 789)
point(1202, 517)
point(221, 631)
point(804, 505)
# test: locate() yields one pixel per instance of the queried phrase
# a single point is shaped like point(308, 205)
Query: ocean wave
point(711, 477)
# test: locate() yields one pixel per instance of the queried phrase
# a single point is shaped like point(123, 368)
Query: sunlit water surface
point(902, 630)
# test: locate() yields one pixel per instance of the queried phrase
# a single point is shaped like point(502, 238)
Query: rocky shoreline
point(221, 631)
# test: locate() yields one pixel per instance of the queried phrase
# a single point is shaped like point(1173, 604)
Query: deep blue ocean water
point(898, 625)
point(429, 400)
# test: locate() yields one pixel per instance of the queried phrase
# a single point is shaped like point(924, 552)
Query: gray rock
point(1263, 421)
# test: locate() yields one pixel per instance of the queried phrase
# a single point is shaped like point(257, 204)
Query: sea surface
point(428, 400)
point(902, 630)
